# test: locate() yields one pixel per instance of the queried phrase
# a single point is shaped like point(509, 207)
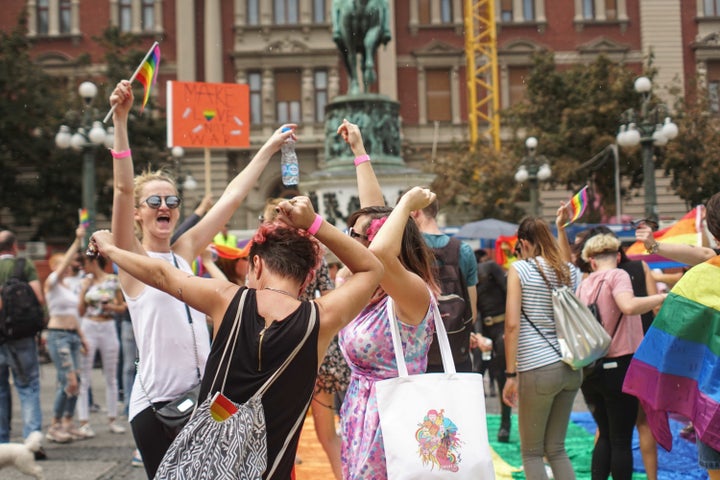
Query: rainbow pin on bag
point(434, 424)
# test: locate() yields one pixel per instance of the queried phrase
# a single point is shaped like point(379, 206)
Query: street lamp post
point(86, 138)
point(185, 181)
point(646, 129)
point(533, 169)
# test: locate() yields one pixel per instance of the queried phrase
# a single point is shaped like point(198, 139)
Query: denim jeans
point(64, 349)
point(20, 357)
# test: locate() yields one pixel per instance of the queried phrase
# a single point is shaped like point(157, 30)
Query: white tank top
point(63, 295)
point(165, 343)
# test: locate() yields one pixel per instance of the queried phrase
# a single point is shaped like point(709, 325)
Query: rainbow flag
point(578, 204)
point(84, 217)
point(677, 366)
point(221, 407)
point(687, 231)
point(148, 70)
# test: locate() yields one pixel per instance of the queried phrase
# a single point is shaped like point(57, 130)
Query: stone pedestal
point(334, 189)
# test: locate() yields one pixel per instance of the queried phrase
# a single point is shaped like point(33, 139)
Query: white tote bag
point(434, 424)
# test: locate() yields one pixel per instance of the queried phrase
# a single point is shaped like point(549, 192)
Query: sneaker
point(137, 460)
point(76, 433)
point(58, 435)
point(86, 431)
point(40, 454)
point(503, 435)
point(115, 428)
point(95, 408)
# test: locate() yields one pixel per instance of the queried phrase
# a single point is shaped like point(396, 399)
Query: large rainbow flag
point(688, 231)
point(676, 369)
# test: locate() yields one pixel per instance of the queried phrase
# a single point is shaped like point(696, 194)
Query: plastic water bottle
point(289, 167)
point(487, 356)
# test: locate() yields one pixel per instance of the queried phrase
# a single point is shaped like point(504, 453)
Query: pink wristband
point(362, 159)
point(119, 155)
point(313, 229)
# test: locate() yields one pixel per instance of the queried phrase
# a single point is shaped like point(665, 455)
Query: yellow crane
point(482, 70)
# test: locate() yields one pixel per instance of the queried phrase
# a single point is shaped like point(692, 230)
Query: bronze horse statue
point(359, 27)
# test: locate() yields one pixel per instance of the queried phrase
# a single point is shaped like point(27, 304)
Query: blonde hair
point(600, 244)
point(55, 260)
point(143, 179)
point(269, 213)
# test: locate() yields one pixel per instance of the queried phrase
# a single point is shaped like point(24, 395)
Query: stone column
point(213, 42)
point(387, 60)
point(185, 41)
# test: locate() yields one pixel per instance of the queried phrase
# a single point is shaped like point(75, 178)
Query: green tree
point(575, 113)
point(693, 158)
point(30, 105)
point(475, 183)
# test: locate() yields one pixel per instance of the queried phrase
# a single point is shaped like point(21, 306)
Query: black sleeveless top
point(254, 361)
point(637, 276)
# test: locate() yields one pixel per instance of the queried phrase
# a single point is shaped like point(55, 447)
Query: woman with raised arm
point(538, 382)
point(172, 341)
point(274, 321)
point(392, 235)
point(65, 340)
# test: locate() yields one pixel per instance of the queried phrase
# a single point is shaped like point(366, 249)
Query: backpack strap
point(19, 270)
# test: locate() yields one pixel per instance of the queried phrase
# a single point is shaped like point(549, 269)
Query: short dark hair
point(7, 240)
point(712, 215)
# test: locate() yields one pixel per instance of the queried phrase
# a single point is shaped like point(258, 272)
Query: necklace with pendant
point(277, 290)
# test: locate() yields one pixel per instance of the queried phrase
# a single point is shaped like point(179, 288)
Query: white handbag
point(433, 424)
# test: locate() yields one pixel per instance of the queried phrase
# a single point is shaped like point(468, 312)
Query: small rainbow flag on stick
point(146, 74)
point(221, 407)
point(84, 217)
point(578, 204)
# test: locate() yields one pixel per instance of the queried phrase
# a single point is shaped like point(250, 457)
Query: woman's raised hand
point(281, 135)
point(100, 241)
point(297, 212)
point(417, 198)
point(352, 136)
point(122, 98)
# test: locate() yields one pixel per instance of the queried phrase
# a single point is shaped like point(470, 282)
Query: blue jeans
point(64, 349)
point(20, 357)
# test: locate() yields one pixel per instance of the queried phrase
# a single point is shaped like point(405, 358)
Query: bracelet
point(361, 159)
point(120, 155)
point(510, 374)
point(653, 248)
point(313, 229)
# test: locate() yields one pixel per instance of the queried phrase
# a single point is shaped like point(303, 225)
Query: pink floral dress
point(366, 344)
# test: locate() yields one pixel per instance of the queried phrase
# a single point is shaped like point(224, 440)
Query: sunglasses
point(646, 221)
point(355, 234)
point(155, 201)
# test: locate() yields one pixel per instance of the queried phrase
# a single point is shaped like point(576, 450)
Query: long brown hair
point(415, 255)
point(537, 233)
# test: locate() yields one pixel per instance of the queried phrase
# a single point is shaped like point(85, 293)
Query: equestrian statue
point(360, 27)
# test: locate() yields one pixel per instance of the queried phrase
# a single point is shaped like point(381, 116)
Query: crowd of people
point(303, 290)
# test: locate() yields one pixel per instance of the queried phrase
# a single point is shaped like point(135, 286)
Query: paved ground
point(108, 455)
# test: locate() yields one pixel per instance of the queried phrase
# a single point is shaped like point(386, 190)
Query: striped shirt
point(533, 350)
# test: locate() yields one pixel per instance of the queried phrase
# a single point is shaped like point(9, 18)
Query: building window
point(517, 77)
point(424, 12)
point(288, 87)
point(506, 10)
point(286, 12)
point(611, 10)
point(529, 10)
point(125, 15)
point(714, 96)
point(319, 11)
point(65, 16)
point(588, 7)
point(712, 8)
point(321, 94)
point(148, 14)
point(446, 13)
point(255, 86)
point(253, 12)
point(439, 105)
point(43, 17)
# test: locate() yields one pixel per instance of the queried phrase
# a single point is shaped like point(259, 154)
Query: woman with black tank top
point(283, 257)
